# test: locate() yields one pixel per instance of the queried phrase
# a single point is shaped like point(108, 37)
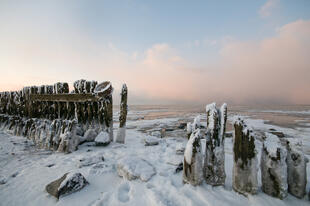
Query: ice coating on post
point(273, 167)
point(244, 177)
point(192, 164)
point(214, 160)
point(296, 168)
point(121, 133)
point(191, 127)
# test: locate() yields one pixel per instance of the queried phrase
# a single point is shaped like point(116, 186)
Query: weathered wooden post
point(214, 161)
point(192, 163)
point(273, 167)
point(245, 160)
point(121, 133)
point(296, 168)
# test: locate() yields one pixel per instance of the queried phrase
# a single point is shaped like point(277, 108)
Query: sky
point(167, 52)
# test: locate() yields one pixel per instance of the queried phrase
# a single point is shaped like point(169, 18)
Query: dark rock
point(182, 125)
point(67, 184)
point(179, 168)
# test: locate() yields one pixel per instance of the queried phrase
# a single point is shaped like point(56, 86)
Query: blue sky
point(55, 35)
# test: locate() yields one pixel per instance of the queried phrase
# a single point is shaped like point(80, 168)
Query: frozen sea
point(25, 170)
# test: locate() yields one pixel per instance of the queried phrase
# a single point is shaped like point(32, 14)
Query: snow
point(188, 153)
point(121, 134)
point(133, 167)
point(107, 188)
point(196, 123)
point(271, 143)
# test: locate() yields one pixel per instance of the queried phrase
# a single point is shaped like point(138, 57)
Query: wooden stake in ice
point(121, 133)
point(245, 160)
point(214, 161)
point(273, 167)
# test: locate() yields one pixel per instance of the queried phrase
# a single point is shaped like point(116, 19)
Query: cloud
point(268, 7)
point(274, 70)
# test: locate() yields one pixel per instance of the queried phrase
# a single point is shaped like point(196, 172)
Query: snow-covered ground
point(26, 171)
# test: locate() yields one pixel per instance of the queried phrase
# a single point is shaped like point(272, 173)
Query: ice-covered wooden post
point(214, 161)
point(192, 164)
point(244, 177)
point(296, 168)
point(121, 133)
point(273, 167)
point(104, 90)
point(191, 127)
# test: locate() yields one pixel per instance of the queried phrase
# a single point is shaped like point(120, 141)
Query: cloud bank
point(273, 70)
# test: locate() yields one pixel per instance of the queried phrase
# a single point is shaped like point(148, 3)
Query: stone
point(156, 134)
point(133, 167)
point(3, 180)
point(182, 125)
point(244, 177)
point(179, 149)
point(274, 167)
point(179, 168)
point(103, 139)
point(67, 184)
point(150, 141)
point(88, 161)
point(90, 135)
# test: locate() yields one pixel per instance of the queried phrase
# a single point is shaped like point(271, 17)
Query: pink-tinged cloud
point(274, 70)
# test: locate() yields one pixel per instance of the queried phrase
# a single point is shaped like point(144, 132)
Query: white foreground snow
point(28, 170)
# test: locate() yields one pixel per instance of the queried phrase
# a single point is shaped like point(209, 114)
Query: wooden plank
point(64, 97)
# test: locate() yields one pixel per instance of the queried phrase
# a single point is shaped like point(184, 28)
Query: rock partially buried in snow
point(156, 134)
point(179, 149)
point(3, 180)
point(150, 140)
point(102, 139)
point(67, 184)
point(133, 168)
point(87, 161)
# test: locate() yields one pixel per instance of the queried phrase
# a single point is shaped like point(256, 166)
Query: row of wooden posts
point(48, 112)
point(283, 164)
